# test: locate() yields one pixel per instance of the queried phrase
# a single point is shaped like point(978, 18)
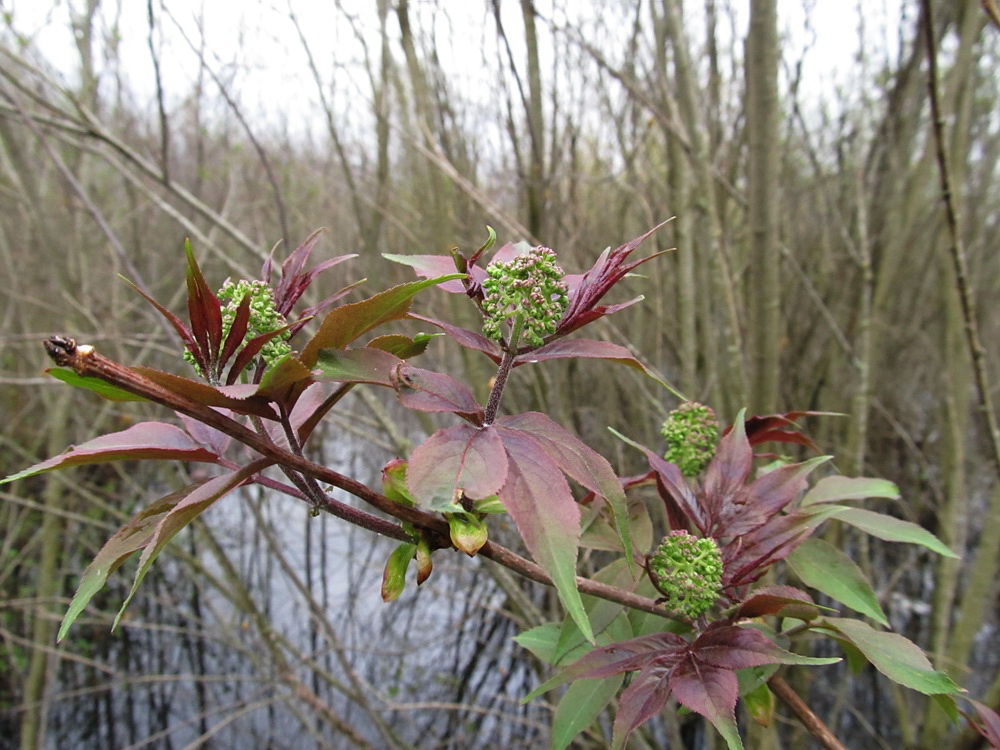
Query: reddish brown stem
point(803, 713)
point(86, 362)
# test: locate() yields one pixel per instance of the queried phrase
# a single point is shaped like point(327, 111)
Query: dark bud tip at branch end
point(64, 351)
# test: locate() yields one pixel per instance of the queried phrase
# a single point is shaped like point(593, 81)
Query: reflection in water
point(265, 629)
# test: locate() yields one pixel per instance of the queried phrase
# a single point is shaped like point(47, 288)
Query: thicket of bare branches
point(812, 271)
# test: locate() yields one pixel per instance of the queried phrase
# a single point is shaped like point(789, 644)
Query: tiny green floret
point(691, 431)
point(530, 287)
point(264, 318)
point(688, 572)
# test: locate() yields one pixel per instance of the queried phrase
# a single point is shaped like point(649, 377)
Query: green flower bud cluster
point(531, 286)
point(688, 572)
point(264, 318)
point(691, 431)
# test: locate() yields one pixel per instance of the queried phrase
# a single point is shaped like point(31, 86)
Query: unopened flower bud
point(688, 572)
point(531, 286)
point(691, 431)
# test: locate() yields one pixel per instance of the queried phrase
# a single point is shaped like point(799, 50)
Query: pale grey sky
point(258, 36)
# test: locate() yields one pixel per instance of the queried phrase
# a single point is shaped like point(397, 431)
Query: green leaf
point(357, 365)
point(825, 568)
point(125, 542)
point(394, 483)
point(490, 504)
point(600, 612)
point(580, 706)
point(892, 529)
point(467, 532)
point(760, 704)
point(599, 532)
point(344, 324)
point(540, 641)
point(752, 678)
point(285, 372)
point(949, 705)
point(182, 514)
point(425, 565)
point(896, 657)
point(543, 643)
point(98, 386)
point(403, 346)
point(831, 489)
point(394, 575)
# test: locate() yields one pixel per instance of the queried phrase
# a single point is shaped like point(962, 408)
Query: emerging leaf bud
point(688, 572)
point(531, 286)
point(691, 431)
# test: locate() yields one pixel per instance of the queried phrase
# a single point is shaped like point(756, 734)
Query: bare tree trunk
point(764, 293)
point(43, 662)
point(715, 288)
point(535, 187)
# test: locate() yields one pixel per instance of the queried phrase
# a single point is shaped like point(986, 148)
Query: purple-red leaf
point(587, 317)
point(426, 390)
point(643, 699)
point(211, 438)
point(781, 428)
point(251, 350)
point(755, 504)
point(242, 399)
point(581, 462)
point(434, 266)
point(680, 501)
point(294, 279)
point(990, 727)
point(204, 309)
point(539, 501)
point(732, 647)
point(710, 691)
point(627, 656)
point(322, 306)
point(746, 559)
point(156, 440)
point(182, 330)
point(609, 269)
point(587, 349)
point(458, 460)
point(465, 337)
point(310, 408)
point(237, 331)
point(728, 470)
